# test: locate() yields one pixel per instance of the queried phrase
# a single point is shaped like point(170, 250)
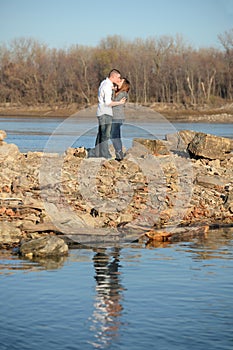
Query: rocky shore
point(163, 190)
point(173, 112)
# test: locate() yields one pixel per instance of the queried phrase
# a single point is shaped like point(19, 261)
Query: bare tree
point(162, 69)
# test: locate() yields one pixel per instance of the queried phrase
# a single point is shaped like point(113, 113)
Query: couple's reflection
point(107, 307)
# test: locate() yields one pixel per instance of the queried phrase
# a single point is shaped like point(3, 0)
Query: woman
point(118, 117)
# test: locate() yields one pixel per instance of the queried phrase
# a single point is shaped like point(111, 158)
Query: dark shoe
point(119, 156)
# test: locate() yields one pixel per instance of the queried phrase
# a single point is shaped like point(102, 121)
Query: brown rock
point(2, 135)
point(79, 152)
point(210, 146)
point(9, 233)
point(155, 147)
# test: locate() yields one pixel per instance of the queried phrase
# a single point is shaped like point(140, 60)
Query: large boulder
point(210, 146)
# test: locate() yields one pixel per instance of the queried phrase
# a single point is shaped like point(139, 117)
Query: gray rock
point(181, 139)
point(44, 246)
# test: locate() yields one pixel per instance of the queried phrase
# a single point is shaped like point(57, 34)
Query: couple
point(112, 96)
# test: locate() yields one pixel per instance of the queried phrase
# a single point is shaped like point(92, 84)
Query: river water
point(41, 133)
point(174, 296)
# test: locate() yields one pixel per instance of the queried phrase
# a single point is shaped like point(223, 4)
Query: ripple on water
point(132, 297)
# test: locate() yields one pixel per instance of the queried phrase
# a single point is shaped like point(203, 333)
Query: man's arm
point(117, 103)
point(107, 94)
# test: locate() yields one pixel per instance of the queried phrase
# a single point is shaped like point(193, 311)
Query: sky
point(63, 23)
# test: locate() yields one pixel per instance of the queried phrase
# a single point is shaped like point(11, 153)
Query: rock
point(79, 152)
point(33, 203)
point(210, 181)
point(2, 135)
point(125, 218)
point(8, 152)
point(47, 194)
point(228, 203)
point(44, 246)
point(31, 227)
point(180, 140)
point(210, 146)
point(155, 147)
point(177, 234)
point(65, 220)
point(9, 233)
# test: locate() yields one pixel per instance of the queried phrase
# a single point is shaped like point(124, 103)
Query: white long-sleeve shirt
point(105, 97)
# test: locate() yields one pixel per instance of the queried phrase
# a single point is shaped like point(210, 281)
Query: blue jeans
point(116, 135)
point(104, 132)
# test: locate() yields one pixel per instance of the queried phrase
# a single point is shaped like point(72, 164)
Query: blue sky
point(62, 23)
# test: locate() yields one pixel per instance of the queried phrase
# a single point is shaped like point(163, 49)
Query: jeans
point(116, 136)
point(104, 132)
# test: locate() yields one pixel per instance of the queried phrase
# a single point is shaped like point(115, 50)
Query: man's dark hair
point(113, 71)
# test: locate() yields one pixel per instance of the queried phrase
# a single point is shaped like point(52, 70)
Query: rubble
point(168, 186)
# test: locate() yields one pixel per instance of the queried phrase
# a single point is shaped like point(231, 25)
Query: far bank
point(134, 111)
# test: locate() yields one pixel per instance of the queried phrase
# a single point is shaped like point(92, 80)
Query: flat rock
point(210, 181)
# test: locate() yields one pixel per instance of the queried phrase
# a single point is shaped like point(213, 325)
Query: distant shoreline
point(171, 112)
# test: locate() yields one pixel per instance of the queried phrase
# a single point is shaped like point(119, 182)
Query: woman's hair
point(124, 87)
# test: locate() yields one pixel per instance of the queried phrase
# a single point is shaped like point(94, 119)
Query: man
point(104, 112)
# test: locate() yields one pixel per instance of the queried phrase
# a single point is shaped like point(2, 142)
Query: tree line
point(163, 69)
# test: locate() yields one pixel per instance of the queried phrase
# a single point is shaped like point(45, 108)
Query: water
point(35, 134)
point(176, 296)
point(168, 296)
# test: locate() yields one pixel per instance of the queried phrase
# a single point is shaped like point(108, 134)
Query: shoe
point(119, 156)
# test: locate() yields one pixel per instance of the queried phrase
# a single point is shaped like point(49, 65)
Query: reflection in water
point(108, 307)
point(217, 245)
point(178, 297)
point(10, 263)
point(51, 262)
